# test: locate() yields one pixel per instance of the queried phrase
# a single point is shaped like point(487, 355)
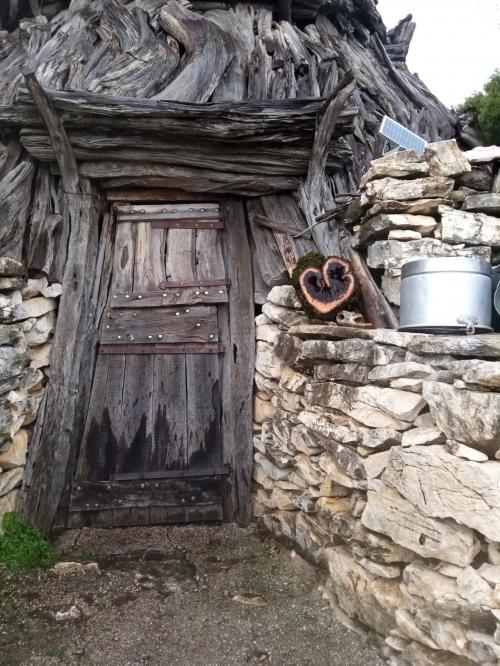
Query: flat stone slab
point(483, 203)
point(393, 254)
point(380, 225)
point(483, 154)
point(458, 226)
point(479, 346)
point(442, 485)
point(391, 514)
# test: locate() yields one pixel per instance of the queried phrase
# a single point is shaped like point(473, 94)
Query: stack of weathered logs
point(27, 319)
point(445, 203)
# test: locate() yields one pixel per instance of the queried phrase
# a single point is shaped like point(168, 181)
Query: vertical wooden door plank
point(123, 264)
point(149, 258)
point(237, 329)
point(136, 437)
point(179, 261)
point(170, 413)
point(204, 434)
point(107, 462)
point(208, 255)
point(94, 435)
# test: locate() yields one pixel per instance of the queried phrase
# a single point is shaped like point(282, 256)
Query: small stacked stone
point(443, 204)
point(27, 319)
point(377, 457)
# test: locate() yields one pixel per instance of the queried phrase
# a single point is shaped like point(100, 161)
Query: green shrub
point(22, 546)
point(486, 106)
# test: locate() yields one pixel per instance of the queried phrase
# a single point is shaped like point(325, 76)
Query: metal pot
point(446, 295)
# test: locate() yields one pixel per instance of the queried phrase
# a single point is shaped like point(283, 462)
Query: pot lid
point(446, 265)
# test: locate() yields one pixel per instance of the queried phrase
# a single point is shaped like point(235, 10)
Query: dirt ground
point(174, 596)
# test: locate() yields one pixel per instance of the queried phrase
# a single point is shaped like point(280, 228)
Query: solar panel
point(401, 136)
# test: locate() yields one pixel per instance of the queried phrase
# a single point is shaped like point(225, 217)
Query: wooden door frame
point(54, 452)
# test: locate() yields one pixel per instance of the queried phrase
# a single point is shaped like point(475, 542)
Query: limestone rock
point(13, 360)
point(7, 504)
point(337, 474)
point(267, 333)
point(266, 361)
point(263, 410)
point(483, 154)
point(270, 470)
point(438, 349)
point(11, 267)
point(466, 416)
point(40, 356)
point(34, 287)
point(416, 207)
point(349, 372)
point(9, 283)
point(404, 235)
point(380, 438)
point(15, 456)
point(407, 384)
point(284, 316)
point(259, 476)
point(379, 226)
point(288, 348)
point(42, 330)
point(351, 351)
point(446, 159)
point(353, 401)
point(424, 420)
point(293, 381)
point(282, 500)
point(360, 593)
point(483, 203)
point(444, 486)
point(479, 179)
point(302, 441)
point(33, 307)
point(281, 523)
point(403, 190)
point(380, 570)
point(10, 479)
point(262, 320)
point(423, 436)
point(394, 254)
point(285, 296)
point(490, 573)
point(466, 452)
point(395, 370)
point(339, 433)
point(52, 291)
point(458, 226)
point(391, 514)
point(484, 373)
point(375, 464)
point(64, 568)
point(397, 165)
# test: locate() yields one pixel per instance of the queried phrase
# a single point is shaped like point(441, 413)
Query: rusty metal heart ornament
point(328, 288)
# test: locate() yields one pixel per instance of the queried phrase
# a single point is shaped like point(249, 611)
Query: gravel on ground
point(196, 595)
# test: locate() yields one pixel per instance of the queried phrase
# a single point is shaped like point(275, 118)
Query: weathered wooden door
point(159, 443)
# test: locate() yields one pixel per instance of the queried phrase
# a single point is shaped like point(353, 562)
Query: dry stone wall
point(377, 452)
point(443, 204)
point(28, 309)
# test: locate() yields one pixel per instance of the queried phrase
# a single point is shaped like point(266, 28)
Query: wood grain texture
point(186, 324)
point(237, 331)
point(70, 369)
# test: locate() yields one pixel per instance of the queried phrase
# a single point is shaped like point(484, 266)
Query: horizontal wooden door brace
point(162, 348)
point(186, 224)
point(199, 295)
point(172, 474)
